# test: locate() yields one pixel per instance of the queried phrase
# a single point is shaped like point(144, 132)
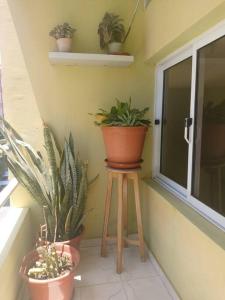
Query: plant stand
point(122, 177)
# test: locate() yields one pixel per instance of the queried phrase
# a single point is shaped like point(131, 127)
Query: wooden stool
point(122, 215)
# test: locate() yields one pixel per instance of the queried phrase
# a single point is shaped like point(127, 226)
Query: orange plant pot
point(60, 288)
point(75, 242)
point(124, 145)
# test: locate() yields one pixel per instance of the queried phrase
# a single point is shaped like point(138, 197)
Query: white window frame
point(189, 50)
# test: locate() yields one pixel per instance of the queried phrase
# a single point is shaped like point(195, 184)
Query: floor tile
point(113, 291)
point(146, 289)
point(94, 269)
point(133, 267)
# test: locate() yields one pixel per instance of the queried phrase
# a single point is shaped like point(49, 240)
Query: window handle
point(187, 125)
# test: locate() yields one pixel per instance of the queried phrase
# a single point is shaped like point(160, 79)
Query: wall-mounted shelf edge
point(82, 59)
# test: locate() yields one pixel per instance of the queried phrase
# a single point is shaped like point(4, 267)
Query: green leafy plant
point(49, 264)
point(122, 115)
point(111, 29)
point(62, 31)
point(58, 183)
point(214, 112)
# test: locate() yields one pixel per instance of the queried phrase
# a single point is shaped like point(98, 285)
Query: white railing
point(7, 191)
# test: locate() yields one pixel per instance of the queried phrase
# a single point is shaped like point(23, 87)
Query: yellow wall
point(193, 262)
point(169, 20)
point(65, 95)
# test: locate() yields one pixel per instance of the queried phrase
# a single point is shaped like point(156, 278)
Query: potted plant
point(57, 180)
point(112, 32)
point(63, 34)
point(124, 129)
point(49, 272)
point(213, 131)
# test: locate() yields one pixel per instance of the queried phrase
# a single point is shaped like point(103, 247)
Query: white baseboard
point(162, 276)
point(158, 269)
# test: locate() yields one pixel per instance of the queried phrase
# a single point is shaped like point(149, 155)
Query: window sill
point(212, 231)
point(11, 219)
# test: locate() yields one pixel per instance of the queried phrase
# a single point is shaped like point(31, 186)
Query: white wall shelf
point(82, 59)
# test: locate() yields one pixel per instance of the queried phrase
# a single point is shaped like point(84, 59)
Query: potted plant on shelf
point(49, 272)
point(213, 131)
point(124, 129)
point(63, 33)
point(112, 32)
point(58, 182)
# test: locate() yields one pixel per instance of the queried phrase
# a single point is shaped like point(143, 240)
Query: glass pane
point(176, 107)
point(208, 183)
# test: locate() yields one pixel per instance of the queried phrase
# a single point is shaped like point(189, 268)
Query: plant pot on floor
point(74, 242)
point(60, 288)
point(124, 145)
point(64, 44)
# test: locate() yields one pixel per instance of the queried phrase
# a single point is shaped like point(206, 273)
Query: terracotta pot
point(213, 139)
point(60, 288)
point(75, 242)
point(64, 44)
point(124, 145)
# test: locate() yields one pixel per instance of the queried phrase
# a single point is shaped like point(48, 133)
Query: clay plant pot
point(124, 146)
point(64, 44)
point(75, 242)
point(213, 139)
point(61, 288)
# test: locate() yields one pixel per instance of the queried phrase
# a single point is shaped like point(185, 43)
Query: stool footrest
point(127, 240)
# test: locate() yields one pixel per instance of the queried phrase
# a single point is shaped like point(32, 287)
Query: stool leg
point(139, 219)
point(107, 212)
point(120, 224)
point(125, 207)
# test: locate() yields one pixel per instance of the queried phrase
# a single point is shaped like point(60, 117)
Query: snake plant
point(57, 182)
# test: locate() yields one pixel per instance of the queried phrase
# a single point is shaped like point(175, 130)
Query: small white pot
point(64, 44)
point(114, 47)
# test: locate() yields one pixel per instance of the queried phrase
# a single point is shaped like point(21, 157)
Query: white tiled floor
point(98, 279)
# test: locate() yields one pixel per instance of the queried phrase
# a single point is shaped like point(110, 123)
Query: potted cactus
point(49, 272)
point(124, 129)
point(58, 182)
point(63, 33)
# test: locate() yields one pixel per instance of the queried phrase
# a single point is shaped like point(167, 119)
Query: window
point(190, 132)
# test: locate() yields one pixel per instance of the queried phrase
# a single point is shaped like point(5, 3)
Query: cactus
point(49, 264)
point(58, 183)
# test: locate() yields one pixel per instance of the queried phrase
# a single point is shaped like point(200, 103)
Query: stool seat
point(122, 176)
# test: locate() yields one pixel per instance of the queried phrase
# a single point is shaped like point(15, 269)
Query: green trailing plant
point(49, 264)
point(214, 112)
point(110, 30)
point(58, 183)
point(122, 114)
point(62, 31)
